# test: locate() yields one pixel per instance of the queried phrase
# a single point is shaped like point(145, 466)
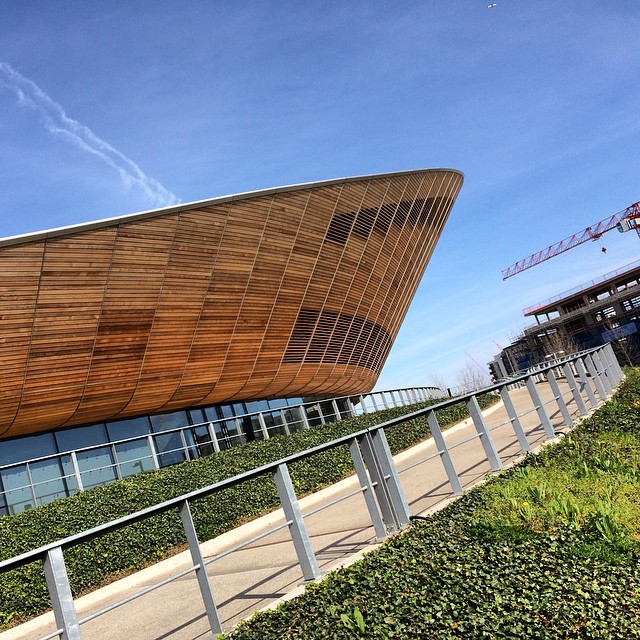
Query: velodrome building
point(130, 326)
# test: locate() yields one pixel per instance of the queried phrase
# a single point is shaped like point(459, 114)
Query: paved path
point(266, 571)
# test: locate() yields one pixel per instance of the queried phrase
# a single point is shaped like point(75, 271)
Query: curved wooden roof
point(286, 292)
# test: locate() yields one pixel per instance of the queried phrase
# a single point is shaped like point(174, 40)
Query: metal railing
point(29, 483)
point(377, 474)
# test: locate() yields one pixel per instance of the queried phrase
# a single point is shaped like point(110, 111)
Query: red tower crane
point(626, 220)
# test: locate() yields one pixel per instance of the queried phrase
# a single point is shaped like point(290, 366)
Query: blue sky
point(112, 108)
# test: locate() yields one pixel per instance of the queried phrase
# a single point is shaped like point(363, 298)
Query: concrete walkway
point(267, 571)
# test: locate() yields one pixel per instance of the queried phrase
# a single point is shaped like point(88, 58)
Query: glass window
point(313, 414)
point(97, 467)
point(229, 434)
point(27, 448)
point(239, 408)
point(4, 509)
point(257, 405)
point(253, 423)
point(328, 412)
point(197, 416)
point(134, 457)
point(296, 420)
point(170, 449)
point(47, 479)
point(215, 413)
point(167, 421)
point(199, 441)
point(128, 428)
point(17, 491)
point(80, 437)
point(279, 403)
point(225, 411)
point(275, 423)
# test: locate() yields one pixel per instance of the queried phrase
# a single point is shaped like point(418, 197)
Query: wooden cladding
point(290, 292)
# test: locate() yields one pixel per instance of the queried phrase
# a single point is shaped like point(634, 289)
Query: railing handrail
point(83, 536)
point(375, 469)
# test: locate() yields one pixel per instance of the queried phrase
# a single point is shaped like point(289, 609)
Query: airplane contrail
point(57, 122)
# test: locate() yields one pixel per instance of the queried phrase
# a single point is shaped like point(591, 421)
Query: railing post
point(515, 420)
point(303, 415)
point(373, 402)
point(391, 478)
point(64, 611)
point(297, 527)
point(485, 437)
point(214, 437)
point(114, 457)
point(596, 378)
point(76, 470)
point(185, 447)
point(364, 408)
point(263, 426)
point(585, 382)
point(379, 483)
point(614, 361)
point(285, 424)
point(154, 453)
point(32, 489)
point(367, 489)
point(383, 395)
point(539, 407)
point(201, 570)
point(601, 369)
point(575, 392)
point(336, 411)
point(605, 356)
point(444, 454)
point(557, 394)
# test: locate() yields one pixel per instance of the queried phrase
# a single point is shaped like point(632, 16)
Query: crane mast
point(626, 220)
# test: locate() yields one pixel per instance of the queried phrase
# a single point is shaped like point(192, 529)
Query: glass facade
point(23, 486)
point(37, 469)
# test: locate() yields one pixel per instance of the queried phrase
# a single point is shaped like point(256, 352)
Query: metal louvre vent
point(416, 212)
point(329, 337)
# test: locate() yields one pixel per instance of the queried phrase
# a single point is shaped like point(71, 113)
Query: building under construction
point(603, 310)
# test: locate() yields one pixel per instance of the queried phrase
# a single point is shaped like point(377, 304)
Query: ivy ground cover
point(549, 549)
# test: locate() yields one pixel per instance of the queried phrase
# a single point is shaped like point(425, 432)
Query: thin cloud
point(57, 122)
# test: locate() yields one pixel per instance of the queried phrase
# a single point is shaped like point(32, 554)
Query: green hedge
point(23, 592)
point(511, 559)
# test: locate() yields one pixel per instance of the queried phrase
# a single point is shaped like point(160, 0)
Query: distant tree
point(558, 344)
point(626, 347)
point(629, 348)
point(436, 380)
point(471, 378)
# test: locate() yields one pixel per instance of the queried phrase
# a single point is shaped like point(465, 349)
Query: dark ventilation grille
point(340, 227)
point(337, 338)
point(416, 212)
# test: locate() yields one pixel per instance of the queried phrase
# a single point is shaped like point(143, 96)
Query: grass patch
point(549, 549)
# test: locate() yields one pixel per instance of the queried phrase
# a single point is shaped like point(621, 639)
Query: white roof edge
point(151, 213)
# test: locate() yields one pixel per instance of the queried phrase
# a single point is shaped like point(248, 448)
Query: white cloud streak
point(58, 123)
